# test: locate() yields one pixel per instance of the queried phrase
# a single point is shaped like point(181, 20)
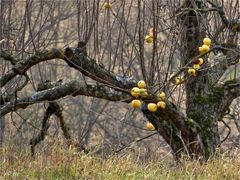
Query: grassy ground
point(66, 164)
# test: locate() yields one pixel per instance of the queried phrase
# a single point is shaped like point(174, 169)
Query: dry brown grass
point(67, 164)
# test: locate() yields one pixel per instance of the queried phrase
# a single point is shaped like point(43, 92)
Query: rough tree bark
point(204, 114)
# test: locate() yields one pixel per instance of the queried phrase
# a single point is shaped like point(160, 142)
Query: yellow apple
point(152, 107)
point(196, 66)
point(207, 41)
point(141, 84)
point(200, 61)
point(192, 72)
point(136, 103)
point(162, 96)
point(161, 105)
point(149, 126)
point(203, 49)
point(135, 92)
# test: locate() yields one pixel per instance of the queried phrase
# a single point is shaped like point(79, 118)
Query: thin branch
point(234, 24)
point(137, 140)
point(229, 131)
point(220, 12)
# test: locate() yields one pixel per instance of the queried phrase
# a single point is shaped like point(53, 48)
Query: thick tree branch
point(233, 88)
point(176, 118)
point(54, 108)
point(230, 91)
point(8, 57)
point(73, 88)
point(22, 66)
point(45, 125)
point(221, 62)
point(76, 59)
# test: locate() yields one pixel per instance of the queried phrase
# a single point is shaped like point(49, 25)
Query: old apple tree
point(109, 48)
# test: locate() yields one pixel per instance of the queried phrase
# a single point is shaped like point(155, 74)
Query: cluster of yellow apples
point(152, 107)
point(150, 37)
point(196, 66)
point(141, 92)
point(206, 46)
point(197, 63)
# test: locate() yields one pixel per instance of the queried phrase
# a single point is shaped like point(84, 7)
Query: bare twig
point(229, 131)
point(137, 140)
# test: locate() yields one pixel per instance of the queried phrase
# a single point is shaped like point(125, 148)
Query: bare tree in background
point(111, 56)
